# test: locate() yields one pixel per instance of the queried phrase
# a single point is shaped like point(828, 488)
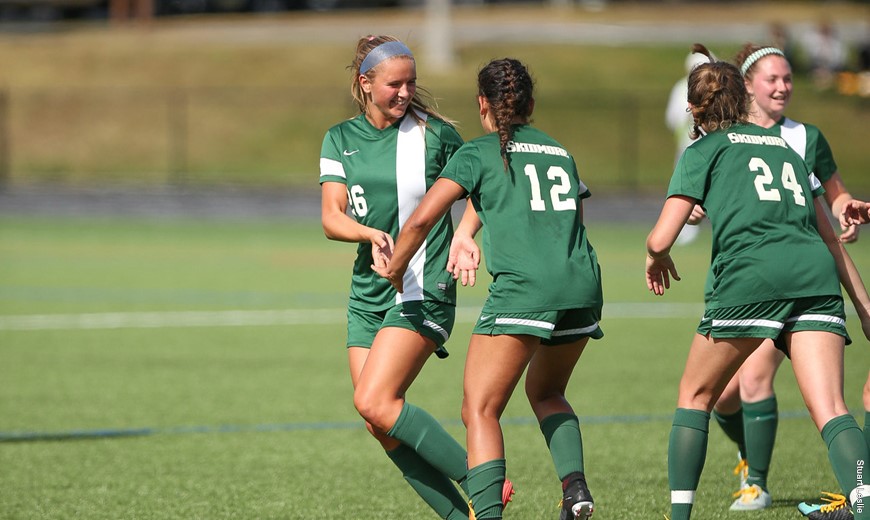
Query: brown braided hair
point(508, 87)
point(717, 94)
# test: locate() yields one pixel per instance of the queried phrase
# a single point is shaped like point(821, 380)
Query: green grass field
point(184, 369)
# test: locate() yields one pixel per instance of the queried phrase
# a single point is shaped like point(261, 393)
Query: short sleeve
point(331, 168)
point(463, 168)
point(824, 164)
point(690, 175)
point(451, 141)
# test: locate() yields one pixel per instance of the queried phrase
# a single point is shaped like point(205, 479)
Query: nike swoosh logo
point(402, 314)
point(350, 152)
point(484, 318)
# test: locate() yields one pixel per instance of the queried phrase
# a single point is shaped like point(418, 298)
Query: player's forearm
point(470, 223)
point(342, 228)
point(849, 276)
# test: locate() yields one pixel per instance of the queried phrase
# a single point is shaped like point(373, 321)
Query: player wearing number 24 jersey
point(767, 249)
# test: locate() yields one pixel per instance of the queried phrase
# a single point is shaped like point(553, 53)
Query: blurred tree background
point(211, 93)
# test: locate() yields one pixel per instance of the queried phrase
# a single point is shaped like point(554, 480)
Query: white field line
point(243, 318)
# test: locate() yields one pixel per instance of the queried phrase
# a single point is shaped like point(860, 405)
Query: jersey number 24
point(764, 178)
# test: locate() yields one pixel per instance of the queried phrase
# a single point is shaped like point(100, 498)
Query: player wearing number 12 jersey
point(522, 210)
point(545, 297)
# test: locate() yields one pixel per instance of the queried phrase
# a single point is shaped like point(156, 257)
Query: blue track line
point(121, 433)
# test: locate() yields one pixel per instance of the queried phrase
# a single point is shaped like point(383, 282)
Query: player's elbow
point(657, 245)
point(418, 224)
point(329, 230)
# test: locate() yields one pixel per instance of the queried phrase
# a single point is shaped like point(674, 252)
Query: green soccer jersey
point(386, 173)
point(534, 240)
point(810, 144)
point(757, 192)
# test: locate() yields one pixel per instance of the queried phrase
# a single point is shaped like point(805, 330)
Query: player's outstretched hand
point(855, 212)
point(659, 272)
point(464, 259)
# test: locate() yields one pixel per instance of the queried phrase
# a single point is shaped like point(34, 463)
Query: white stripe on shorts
point(818, 317)
point(529, 323)
point(437, 328)
point(572, 332)
point(682, 497)
point(748, 323)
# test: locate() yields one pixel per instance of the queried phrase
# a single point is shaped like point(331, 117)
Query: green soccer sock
point(425, 435)
point(485, 483)
point(433, 486)
point(732, 425)
point(847, 451)
point(562, 433)
point(687, 449)
point(760, 420)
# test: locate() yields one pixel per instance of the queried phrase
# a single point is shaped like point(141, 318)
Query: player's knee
point(366, 404)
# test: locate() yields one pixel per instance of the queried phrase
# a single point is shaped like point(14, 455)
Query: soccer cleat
point(834, 508)
point(751, 498)
point(576, 503)
point(507, 494)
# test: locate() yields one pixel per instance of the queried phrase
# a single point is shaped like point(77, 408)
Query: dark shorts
point(431, 319)
point(553, 327)
point(772, 319)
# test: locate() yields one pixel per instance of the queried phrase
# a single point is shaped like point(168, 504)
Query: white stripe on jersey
point(795, 134)
point(331, 167)
point(817, 317)
point(410, 188)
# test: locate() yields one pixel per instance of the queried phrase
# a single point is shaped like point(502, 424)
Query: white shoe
point(751, 498)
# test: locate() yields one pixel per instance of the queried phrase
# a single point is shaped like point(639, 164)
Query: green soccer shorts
point(431, 319)
point(553, 327)
point(772, 319)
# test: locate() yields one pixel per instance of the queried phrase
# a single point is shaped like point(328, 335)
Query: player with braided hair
point(773, 275)
point(545, 299)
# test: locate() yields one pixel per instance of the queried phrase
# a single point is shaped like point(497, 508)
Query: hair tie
point(382, 52)
point(757, 55)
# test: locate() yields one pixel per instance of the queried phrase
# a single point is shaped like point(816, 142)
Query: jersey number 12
point(557, 192)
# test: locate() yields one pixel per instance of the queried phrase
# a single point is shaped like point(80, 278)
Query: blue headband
point(757, 55)
point(382, 52)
